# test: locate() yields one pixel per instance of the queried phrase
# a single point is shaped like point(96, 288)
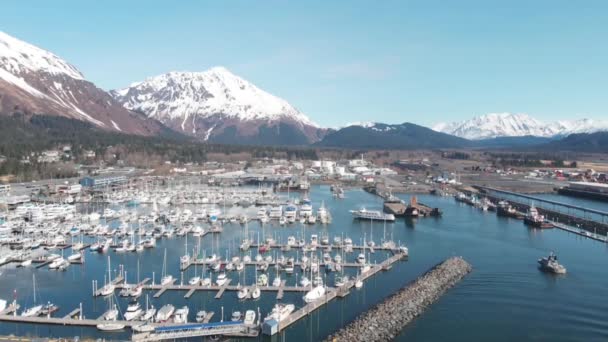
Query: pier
point(558, 212)
point(333, 292)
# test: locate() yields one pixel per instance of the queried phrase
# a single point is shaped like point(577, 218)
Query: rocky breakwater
point(384, 321)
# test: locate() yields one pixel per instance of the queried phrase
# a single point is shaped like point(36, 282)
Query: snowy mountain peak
point(216, 91)
point(494, 125)
point(18, 57)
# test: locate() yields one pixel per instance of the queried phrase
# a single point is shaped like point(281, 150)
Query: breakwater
point(387, 319)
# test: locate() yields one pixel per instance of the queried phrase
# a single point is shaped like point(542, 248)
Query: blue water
point(505, 298)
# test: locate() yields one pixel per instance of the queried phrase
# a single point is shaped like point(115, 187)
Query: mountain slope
point(34, 81)
point(384, 136)
point(219, 106)
point(582, 142)
point(495, 125)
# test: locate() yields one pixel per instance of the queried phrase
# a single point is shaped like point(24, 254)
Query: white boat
point(25, 263)
point(201, 316)
point(280, 312)
point(221, 279)
point(243, 293)
point(164, 313)
point(167, 278)
point(256, 293)
point(249, 317)
point(236, 316)
point(304, 281)
point(315, 294)
point(306, 208)
point(194, 280)
point(361, 258)
point(75, 257)
point(550, 264)
point(376, 215)
point(133, 311)
point(32, 312)
point(181, 315)
point(110, 326)
point(358, 283)
point(56, 263)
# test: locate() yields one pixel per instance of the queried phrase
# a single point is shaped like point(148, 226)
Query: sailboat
point(110, 316)
point(149, 313)
point(108, 289)
point(36, 309)
point(166, 279)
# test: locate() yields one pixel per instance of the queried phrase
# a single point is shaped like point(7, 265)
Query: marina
point(276, 246)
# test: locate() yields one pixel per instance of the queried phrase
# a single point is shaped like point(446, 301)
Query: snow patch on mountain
point(513, 125)
point(204, 94)
point(18, 57)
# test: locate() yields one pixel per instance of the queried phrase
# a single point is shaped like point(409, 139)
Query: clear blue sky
point(344, 61)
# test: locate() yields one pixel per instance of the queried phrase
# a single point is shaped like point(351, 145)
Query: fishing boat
point(550, 264)
point(534, 219)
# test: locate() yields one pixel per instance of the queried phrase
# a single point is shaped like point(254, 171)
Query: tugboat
point(534, 219)
point(550, 264)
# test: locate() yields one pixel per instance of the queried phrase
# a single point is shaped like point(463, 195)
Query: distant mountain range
point(496, 125)
point(219, 107)
point(386, 136)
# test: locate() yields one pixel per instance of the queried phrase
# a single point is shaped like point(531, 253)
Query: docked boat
point(256, 293)
point(201, 316)
point(280, 312)
point(236, 316)
point(376, 215)
point(550, 264)
point(249, 317)
point(243, 293)
point(181, 315)
point(315, 294)
point(110, 326)
point(133, 311)
point(534, 219)
point(164, 313)
point(221, 279)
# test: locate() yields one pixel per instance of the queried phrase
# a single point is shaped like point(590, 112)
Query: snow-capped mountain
point(495, 125)
point(218, 106)
point(35, 81)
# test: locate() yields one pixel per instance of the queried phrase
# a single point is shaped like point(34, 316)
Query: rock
point(383, 322)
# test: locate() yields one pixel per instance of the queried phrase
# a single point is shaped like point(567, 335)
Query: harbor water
point(505, 298)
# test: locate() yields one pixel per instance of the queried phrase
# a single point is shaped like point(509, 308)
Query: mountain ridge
point(495, 125)
point(216, 103)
